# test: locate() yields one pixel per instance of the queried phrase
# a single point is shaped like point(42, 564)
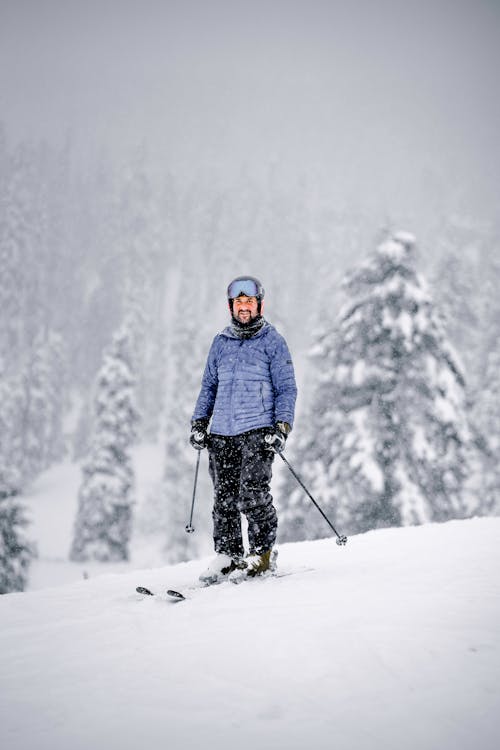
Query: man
point(248, 391)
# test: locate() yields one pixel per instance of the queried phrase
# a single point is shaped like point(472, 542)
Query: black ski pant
point(241, 471)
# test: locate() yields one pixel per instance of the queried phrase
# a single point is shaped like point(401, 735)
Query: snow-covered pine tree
point(466, 277)
point(41, 424)
point(457, 283)
point(186, 343)
point(387, 434)
point(487, 415)
point(11, 407)
point(145, 259)
point(30, 361)
point(16, 552)
point(103, 523)
point(189, 351)
point(485, 396)
point(16, 234)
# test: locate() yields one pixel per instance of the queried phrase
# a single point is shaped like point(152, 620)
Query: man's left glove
point(199, 436)
point(277, 438)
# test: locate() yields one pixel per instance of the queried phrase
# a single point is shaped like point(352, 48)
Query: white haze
point(388, 106)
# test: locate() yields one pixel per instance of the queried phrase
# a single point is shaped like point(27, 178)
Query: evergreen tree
point(190, 349)
point(41, 421)
point(487, 414)
point(471, 285)
point(15, 250)
point(456, 281)
point(186, 343)
point(16, 553)
point(31, 362)
point(103, 524)
point(466, 278)
point(387, 431)
point(11, 454)
point(138, 234)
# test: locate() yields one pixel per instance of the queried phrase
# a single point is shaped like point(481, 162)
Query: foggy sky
point(384, 103)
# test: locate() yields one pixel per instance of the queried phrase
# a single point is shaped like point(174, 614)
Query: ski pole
point(190, 527)
point(341, 539)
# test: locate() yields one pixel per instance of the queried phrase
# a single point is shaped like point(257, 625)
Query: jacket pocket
point(266, 396)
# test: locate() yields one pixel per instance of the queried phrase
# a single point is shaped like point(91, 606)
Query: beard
point(245, 320)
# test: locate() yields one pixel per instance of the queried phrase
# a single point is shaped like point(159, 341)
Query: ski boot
point(221, 566)
point(260, 564)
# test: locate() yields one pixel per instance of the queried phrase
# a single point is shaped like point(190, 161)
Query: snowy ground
point(391, 642)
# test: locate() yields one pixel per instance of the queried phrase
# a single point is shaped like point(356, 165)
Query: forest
point(113, 286)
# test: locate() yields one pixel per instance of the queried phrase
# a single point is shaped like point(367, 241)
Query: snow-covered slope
point(391, 643)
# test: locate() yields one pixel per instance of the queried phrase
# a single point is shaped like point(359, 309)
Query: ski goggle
point(245, 286)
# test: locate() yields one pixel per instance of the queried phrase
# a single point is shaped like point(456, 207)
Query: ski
point(147, 592)
point(179, 596)
point(176, 595)
point(143, 590)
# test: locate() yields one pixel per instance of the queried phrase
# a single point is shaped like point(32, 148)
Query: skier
point(248, 390)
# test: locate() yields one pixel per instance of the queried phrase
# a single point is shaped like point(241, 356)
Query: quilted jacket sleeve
point(283, 380)
point(206, 399)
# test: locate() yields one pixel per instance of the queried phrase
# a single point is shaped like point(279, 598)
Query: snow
point(359, 372)
point(363, 457)
point(422, 446)
point(413, 506)
point(445, 411)
point(398, 245)
point(405, 238)
point(51, 506)
point(394, 250)
point(391, 642)
point(405, 322)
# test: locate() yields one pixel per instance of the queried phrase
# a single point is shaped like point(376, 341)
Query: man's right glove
point(199, 436)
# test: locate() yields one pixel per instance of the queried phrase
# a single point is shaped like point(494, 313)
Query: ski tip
point(144, 590)
point(176, 594)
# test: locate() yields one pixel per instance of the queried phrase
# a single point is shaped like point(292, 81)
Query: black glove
point(199, 436)
point(277, 438)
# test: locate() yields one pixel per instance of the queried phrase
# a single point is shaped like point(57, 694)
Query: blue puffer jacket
point(247, 383)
